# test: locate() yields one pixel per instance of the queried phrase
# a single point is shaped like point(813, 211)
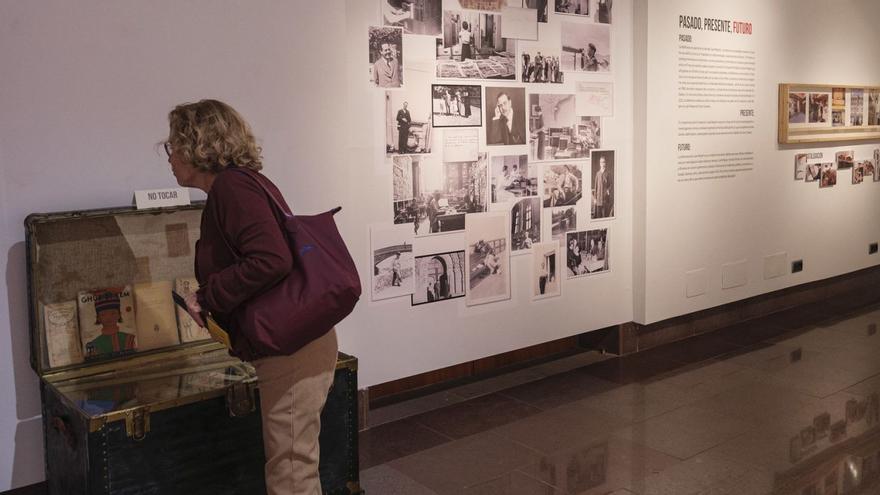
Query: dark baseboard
point(849, 291)
point(37, 489)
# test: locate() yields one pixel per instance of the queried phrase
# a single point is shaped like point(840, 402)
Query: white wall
point(85, 94)
point(687, 226)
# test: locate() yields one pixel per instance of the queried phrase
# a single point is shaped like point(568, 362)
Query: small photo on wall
point(813, 172)
point(586, 47)
point(874, 107)
point(797, 108)
point(540, 64)
point(562, 221)
point(525, 225)
point(487, 258)
point(603, 11)
point(386, 56)
point(572, 7)
point(844, 159)
point(407, 124)
point(858, 173)
point(439, 277)
point(819, 110)
point(800, 166)
point(587, 253)
point(563, 184)
point(856, 107)
point(546, 270)
point(556, 132)
point(414, 17)
point(602, 184)
point(505, 116)
point(472, 47)
point(511, 178)
point(392, 259)
point(456, 105)
point(877, 165)
point(829, 175)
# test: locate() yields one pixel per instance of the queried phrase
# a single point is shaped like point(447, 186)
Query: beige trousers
point(293, 390)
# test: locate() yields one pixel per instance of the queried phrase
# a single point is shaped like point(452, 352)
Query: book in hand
point(216, 331)
point(107, 321)
point(190, 331)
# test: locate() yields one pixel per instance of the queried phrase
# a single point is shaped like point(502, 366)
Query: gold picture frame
point(817, 113)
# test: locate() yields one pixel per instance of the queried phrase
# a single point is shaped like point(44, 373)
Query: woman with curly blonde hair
point(241, 252)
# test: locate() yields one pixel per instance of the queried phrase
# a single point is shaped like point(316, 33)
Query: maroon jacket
point(239, 219)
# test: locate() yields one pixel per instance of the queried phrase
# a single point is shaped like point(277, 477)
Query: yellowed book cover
point(156, 323)
point(62, 334)
point(107, 321)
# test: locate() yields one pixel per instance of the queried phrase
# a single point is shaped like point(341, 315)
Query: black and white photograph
point(844, 159)
point(858, 173)
point(386, 56)
point(433, 197)
point(869, 168)
point(797, 108)
point(392, 257)
point(562, 221)
point(407, 123)
point(813, 172)
point(525, 225)
point(413, 16)
point(602, 184)
point(603, 11)
point(511, 178)
point(539, 64)
point(819, 110)
point(856, 106)
point(487, 258)
point(800, 166)
point(505, 116)
point(540, 7)
point(586, 47)
point(472, 47)
point(563, 184)
point(829, 175)
point(546, 270)
point(556, 132)
point(456, 105)
point(439, 277)
point(572, 7)
point(873, 107)
point(587, 253)
point(838, 107)
point(877, 165)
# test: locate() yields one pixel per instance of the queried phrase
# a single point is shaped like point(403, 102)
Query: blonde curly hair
point(212, 136)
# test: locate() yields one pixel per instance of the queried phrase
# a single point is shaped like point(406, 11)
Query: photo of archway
point(439, 277)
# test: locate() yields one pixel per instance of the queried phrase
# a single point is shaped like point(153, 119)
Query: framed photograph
point(602, 184)
point(546, 270)
point(456, 105)
point(505, 116)
point(562, 184)
point(511, 178)
point(439, 277)
point(587, 253)
point(816, 113)
point(392, 259)
point(525, 225)
point(586, 47)
point(386, 56)
point(487, 258)
point(414, 17)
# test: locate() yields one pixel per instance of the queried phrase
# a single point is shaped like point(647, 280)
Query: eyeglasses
point(168, 148)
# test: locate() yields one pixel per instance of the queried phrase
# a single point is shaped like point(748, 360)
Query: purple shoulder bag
point(321, 289)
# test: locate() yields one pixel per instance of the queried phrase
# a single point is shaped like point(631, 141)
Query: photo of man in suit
point(507, 125)
point(403, 122)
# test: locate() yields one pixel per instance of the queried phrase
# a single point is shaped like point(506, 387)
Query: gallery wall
point(742, 232)
point(84, 101)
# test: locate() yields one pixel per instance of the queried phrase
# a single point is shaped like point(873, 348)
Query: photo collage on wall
point(495, 146)
point(823, 168)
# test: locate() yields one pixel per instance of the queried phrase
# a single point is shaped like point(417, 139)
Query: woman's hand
point(194, 309)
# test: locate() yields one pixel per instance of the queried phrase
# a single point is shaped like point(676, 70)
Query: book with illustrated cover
point(62, 334)
point(189, 330)
point(155, 321)
point(107, 321)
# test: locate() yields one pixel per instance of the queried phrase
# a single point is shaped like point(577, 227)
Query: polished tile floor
point(787, 404)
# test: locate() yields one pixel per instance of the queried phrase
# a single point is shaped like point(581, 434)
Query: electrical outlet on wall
point(872, 248)
point(797, 266)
